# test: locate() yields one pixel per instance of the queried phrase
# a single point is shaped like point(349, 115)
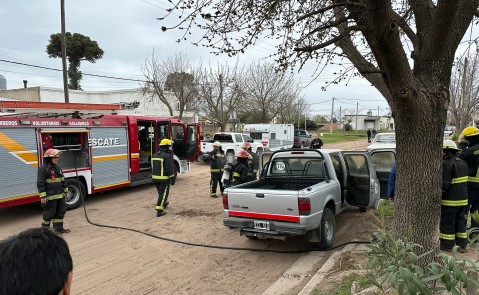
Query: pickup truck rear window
point(223, 138)
point(298, 167)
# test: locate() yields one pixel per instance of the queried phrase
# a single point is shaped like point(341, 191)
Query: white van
point(272, 136)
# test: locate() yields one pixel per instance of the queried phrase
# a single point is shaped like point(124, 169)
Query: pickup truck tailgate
point(261, 204)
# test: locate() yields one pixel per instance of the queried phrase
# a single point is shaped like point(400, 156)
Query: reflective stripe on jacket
point(161, 166)
point(51, 182)
point(471, 156)
point(217, 161)
point(454, 181)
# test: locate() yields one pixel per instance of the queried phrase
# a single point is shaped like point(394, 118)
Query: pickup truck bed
point(280, 184)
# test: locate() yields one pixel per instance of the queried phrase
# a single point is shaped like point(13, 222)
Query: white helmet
point(217, 143)
point(448, 144)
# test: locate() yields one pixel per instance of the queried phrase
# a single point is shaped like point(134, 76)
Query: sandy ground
point(115, 261)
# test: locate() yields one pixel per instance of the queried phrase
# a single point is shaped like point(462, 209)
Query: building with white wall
point(146, 108)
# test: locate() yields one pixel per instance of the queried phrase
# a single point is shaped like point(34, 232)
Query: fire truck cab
point(100, 151)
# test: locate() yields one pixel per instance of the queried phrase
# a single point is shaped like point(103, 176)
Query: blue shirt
point(392, 181)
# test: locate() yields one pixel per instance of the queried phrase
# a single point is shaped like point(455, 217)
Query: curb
point(327, 266)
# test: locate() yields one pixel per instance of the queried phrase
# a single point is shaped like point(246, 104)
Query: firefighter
point(162, 174)
point(253, 161)
point(471, 156)
point(240, 169)
point(454, 199)
point(52, 189)
point(216, 168)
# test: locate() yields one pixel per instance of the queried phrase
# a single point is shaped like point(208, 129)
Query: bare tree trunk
point(415, 117)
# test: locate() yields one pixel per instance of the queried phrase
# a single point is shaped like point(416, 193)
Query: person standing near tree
point(52, 189)
point(162, 174)
point(471, 156)
point(369, 134)
point(316, 143)
point(217, 157)
point(454, 199)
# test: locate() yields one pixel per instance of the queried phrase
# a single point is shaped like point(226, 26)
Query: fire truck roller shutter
point(110, 156)
point(19, 162)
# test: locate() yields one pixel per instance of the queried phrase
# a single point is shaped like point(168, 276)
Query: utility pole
point(64, 52)
point(340, 118)
point(331, 119)
point(357, 114)
point(223, 128)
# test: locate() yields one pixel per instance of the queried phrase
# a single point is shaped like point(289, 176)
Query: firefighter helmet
point(217, 143)
point(242, 154)
point(469, 131)
point(448, 144)
point(246, 145)
point(165, 141)
point(52, 153)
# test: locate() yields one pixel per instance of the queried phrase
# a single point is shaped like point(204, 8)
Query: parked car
point(231, 143)
point(302, 138)
point(383, 140)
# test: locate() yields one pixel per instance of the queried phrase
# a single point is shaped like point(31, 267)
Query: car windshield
point(386, 137)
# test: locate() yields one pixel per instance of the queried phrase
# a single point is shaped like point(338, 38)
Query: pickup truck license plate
point(261, 224)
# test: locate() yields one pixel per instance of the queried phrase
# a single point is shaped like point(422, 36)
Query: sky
point(128, 31)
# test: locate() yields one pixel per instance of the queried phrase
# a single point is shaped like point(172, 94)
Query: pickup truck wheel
point(328, 229)
point(230, 157)
point(76, 193)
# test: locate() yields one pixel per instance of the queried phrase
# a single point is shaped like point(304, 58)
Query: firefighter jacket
point(51, 182)
point(253, 163)
point(454, 181)
point(161, 166)
point(217, 161)
point(240, 172)
point(471, 156)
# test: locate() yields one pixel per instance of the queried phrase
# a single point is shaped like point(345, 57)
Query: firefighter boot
point(160, 213)
point(59, 229)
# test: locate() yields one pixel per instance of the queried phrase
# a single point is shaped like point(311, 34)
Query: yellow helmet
point(165, 141)
point(469, 131)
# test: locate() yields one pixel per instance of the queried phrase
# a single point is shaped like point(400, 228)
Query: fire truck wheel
point(76, 193)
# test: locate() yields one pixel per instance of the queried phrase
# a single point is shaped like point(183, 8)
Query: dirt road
point(114, 261)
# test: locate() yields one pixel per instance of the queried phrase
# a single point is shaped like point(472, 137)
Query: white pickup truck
point(300, 192)
point(231, 143)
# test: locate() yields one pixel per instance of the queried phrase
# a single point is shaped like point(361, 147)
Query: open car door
point(264, 159)
point(383, 160)
point(193, 141)
point(361, 180)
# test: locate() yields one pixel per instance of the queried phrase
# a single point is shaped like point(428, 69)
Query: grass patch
point(342, 136)
point(345, 287)
point(385, 213)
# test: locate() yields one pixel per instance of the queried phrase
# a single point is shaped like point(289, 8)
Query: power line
point(58, 70)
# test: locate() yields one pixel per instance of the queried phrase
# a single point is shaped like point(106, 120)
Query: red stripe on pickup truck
point(264, 216)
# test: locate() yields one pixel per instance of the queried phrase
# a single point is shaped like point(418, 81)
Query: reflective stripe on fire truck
point(109, 157)
point(17, 150)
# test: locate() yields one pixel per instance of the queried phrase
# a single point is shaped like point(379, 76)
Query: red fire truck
point(106, 149)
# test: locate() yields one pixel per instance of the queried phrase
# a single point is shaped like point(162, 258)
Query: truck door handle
point(260, 196)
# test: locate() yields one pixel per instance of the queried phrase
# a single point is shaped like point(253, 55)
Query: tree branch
point(333, 40)
point(330, 25)
point(406, 29)
point(324, 9)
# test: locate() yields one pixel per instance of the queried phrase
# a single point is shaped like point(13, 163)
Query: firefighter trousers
point(215, 180)
point(53, 212)
point(473, 196)
point(163, 188)
point(453, 226)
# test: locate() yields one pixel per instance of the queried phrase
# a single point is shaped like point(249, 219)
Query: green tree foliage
point(78, 48)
